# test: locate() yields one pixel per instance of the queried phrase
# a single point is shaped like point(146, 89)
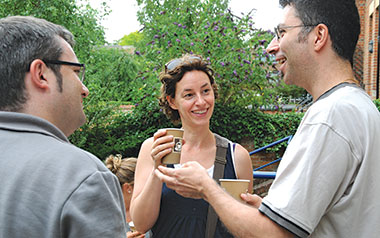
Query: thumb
point(251, 199)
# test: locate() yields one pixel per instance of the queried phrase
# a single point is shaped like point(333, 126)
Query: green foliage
point(377, 103)
point(112, 75)
point(118, 131)
point(124, 131)
point(172, 27)
point(234, 48)
point(82, 20)
point(115, 87)
point(240, 123)
point(131, 39)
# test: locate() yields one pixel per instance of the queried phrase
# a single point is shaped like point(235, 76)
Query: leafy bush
point(78, 17)
point(130, 39)
point(233, 47)
point(377, 103)
point(123, 132)
point(111, 76)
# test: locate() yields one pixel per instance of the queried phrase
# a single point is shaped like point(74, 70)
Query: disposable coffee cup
point(174, 156)
point(132, 226)
point(235, 187)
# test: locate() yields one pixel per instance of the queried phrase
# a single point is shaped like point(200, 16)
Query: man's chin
point(286, 80)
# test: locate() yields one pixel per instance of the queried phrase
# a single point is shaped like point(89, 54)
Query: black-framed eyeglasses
point(278, 30)
point(176, 62)
point(80, 72)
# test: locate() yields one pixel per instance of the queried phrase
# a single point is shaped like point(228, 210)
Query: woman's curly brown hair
point(174, 72)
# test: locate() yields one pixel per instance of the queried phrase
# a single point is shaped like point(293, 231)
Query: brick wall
point(365, 63)
point(360, 48)
point(261, 186)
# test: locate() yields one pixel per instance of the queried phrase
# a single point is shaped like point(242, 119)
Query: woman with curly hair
point(188, 94)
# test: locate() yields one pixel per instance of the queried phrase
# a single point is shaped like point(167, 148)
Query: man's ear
point(171, 102)
point(37, 71)
point(321, 36)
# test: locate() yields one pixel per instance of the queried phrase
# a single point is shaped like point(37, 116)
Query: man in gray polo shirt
point(48, 187)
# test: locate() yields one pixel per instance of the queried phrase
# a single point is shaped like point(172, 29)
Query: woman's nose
point(200, 99)
point(273, 46)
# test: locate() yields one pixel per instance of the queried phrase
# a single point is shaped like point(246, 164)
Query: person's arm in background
point(243, 165)
point(146, 198)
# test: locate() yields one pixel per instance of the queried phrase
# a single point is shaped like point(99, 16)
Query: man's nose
point(273, 46)
point(85, 91)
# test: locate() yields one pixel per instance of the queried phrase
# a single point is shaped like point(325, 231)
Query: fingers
point(162, 145)
point(159, 151)
point(193, 164)
point(159, 133)
point(186, 194)
point(251, 199)
point(166, 171)
point(132, 234)
point(168, 176)
point(165, 175)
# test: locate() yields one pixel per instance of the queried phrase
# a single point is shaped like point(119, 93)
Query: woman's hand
point(162, 145)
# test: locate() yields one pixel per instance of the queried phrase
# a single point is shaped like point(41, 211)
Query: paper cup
point(235, 187)
point(175, 156)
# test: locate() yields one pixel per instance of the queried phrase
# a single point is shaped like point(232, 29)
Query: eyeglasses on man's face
point(176, 62)
point(80, 71)
point(280, 30)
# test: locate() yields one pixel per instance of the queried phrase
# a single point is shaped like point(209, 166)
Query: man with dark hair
point(49, 188)
point(326, 183)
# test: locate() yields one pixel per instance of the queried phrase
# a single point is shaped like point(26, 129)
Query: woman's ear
point(127, 188)
point(171, 102)
point(321, 36)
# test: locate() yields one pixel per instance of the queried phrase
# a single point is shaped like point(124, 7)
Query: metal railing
point(268, 174)
point(305, 104)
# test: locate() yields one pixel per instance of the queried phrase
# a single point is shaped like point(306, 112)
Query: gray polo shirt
point(327, 184)
point(50, 188)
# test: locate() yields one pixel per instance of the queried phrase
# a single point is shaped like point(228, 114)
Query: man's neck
point(329, 76)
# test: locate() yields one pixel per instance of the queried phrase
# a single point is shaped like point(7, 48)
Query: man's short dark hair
point(22, 40)
point(340, 16)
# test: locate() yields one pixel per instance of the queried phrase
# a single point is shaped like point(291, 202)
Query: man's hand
point(251, 199)
point(187, 181)
point(135, 234)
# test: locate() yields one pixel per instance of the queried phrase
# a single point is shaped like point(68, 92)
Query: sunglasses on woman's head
point(176, 62)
